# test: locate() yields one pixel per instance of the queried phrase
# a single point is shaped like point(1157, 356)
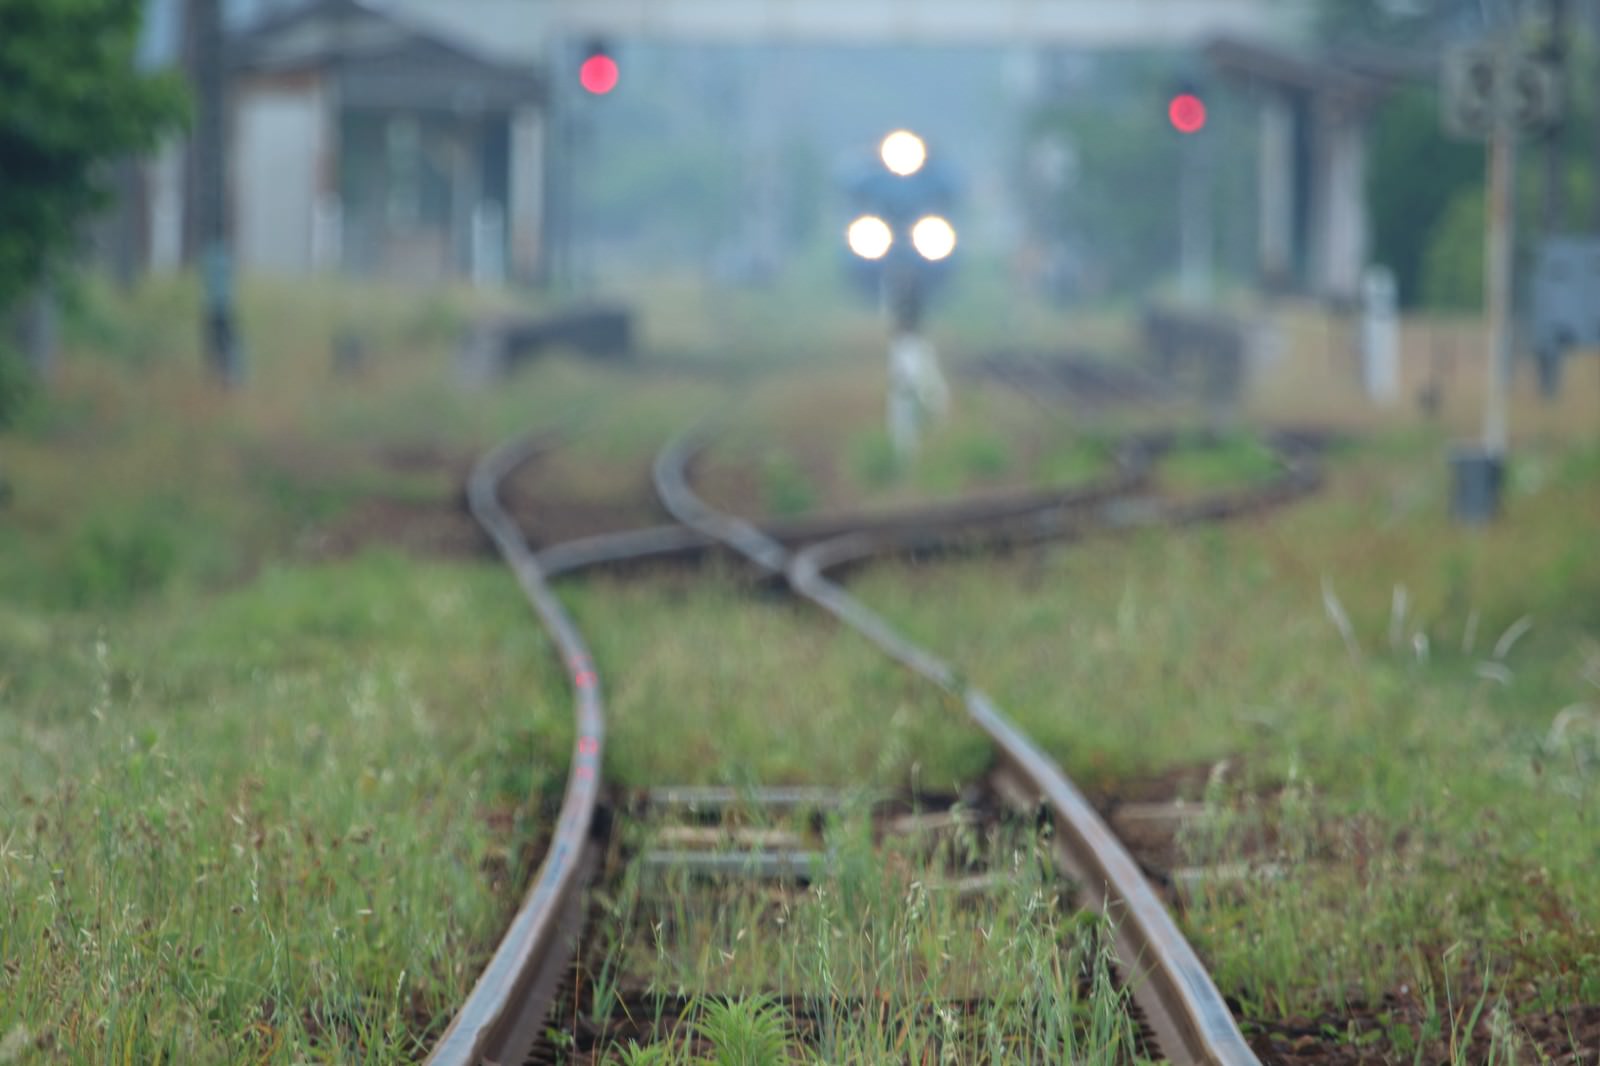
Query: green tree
point(1122, 207)
point(71, 100)
point(1415, 175)
point(1452, 277)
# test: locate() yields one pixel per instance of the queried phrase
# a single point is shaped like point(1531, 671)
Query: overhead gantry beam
point(1088, 24)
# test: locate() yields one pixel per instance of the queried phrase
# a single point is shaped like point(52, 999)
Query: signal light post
point(587, 70)
point(1186, 111)
point(1494, 92)
point(901, 238)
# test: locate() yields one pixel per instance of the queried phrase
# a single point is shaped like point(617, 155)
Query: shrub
point(118, 562)
point(16, 387)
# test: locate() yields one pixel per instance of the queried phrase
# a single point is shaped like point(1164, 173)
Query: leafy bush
point(118, 562)
point(746, 1032)
point(1452, 268)
point(16, 386)
point(154, 322)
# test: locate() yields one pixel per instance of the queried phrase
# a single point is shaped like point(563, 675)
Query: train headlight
point(870, 237)
point(933, 238)
point(903, 152)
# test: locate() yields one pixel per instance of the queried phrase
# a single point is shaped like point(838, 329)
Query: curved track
point(1191, 1021)
point(507, 1008)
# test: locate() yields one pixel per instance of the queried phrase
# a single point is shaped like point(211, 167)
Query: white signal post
point(917, 388)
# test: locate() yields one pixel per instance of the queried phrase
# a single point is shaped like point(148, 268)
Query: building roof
point(384, 54)
point(509, 31)
point(502, 33)
point(1290, 69)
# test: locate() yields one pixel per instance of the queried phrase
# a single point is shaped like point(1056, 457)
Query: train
point(900, 238)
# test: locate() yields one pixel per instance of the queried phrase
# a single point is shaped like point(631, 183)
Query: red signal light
point(598, 74)
point(1187, 112)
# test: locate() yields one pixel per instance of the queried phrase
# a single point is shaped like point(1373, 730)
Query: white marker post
point(1380, 336)
point(917, 390)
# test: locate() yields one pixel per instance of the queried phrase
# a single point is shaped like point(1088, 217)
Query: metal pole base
point(1477, 483)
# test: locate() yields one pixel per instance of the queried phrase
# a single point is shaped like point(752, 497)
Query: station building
point(395, 139)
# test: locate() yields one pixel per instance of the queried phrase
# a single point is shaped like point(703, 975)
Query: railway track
point(1183, 1018)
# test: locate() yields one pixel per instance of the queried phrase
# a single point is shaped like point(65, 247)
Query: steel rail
point(1188, 1015)
point(932, 523)
point(506, 1010)
point(507, 1007)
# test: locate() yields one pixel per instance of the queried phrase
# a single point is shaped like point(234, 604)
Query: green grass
point(224, 819)
point(1199, 465)
point(873, 462)
point(817, 437)
point(952, 944)
point(784, 486)
point(961, 461)
point(949, 462)
point(707, 684)
point(254, 801)
point(258, 798)
point(1076, 462)
point(1433, 815)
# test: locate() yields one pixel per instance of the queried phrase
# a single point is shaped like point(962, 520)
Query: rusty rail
point(1191, 1021)
point(506, 1009)
point(508, 1006)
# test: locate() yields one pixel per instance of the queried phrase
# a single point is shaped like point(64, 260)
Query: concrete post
point(1594, 138)
point(327, 234)
point(1341, 219)
point(466, 194)
point(488, 245)
point(1555, 156)
point(527, 193)
point(211, 144)
point(1380, 336)
point(165, 183)
point(1275, 192)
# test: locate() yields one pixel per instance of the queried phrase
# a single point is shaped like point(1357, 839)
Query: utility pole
point(1493, 92)
point(1497, 279)
point(1555, 155)
point(220, 340)
point(1594, 194)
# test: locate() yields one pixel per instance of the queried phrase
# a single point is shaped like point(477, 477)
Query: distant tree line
point(72, 100)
